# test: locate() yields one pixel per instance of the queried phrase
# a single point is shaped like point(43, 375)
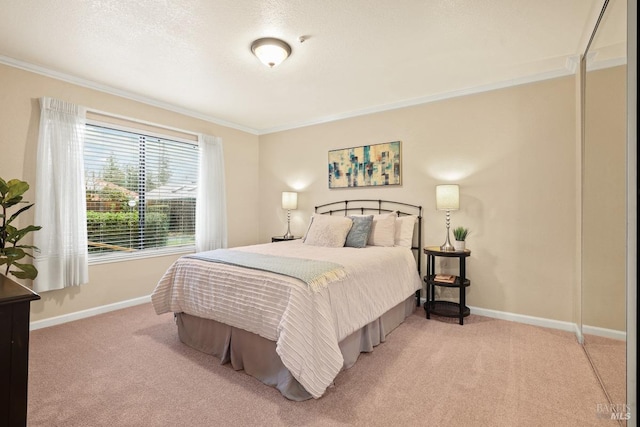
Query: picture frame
point(366, 166)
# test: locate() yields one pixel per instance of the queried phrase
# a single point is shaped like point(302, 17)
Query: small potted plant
point(460, 235)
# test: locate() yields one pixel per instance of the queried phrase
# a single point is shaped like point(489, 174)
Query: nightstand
point(446, 308)
point(282, 239)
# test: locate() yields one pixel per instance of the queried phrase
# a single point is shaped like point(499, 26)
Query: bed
point(294, 313)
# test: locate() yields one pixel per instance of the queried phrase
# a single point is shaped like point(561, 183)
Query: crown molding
point(47, 72)
point(569, 69)
point(609, 63)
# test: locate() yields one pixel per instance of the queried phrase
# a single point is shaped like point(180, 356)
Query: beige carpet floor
point(128, 368)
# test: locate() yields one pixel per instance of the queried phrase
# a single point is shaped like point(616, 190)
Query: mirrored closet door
point(604, 195)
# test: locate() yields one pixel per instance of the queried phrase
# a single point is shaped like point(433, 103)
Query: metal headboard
point(369, 206)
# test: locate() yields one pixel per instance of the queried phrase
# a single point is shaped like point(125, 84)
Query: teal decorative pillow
point(359, 233)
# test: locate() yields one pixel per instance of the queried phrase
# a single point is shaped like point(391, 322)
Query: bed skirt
point(257, 355)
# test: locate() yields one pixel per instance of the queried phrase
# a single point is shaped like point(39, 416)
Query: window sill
point(132, 256)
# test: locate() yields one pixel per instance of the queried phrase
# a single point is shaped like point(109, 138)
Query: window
point(140, 190)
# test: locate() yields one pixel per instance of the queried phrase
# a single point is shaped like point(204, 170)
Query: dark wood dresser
point(15, 302)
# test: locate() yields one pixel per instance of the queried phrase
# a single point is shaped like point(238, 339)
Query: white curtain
point(60, 207)
point(211, 205)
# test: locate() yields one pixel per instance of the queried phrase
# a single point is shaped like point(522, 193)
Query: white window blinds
point(140, 190)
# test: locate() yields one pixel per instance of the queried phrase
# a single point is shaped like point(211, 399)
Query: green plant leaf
point(7, 203)
point(13, 254)
point(11, 193)
point(27, 247)
point(16, 188)
point(28, 271)
point(19, 234)
point(15, 215)
point(4, 187)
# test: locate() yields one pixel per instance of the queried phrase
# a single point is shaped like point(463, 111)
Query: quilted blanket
point(316, 274)
point(306, 325)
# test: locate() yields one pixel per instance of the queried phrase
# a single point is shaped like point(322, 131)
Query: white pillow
point(404, 230)
point(328, 230)
point(383, 230)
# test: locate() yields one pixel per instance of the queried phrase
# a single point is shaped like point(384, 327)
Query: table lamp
point(447, 199)
point(289, 201)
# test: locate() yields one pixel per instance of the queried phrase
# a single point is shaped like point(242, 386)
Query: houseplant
point(11, 252)
point(460, 235)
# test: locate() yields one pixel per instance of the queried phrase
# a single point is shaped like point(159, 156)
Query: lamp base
point(288, 234)
point(447, 247)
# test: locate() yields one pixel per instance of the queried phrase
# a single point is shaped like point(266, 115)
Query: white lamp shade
point(289, 200)
point(447, 197)
point(270, 51)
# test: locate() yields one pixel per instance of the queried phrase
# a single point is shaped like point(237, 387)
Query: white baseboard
point(520, 318)
point(606, 333)
point(52, 321)
point(529, 320)
point(554, 324)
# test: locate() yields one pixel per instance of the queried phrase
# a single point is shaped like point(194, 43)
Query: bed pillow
point(404, 230)
point(327, 230)
point(359, 233)
point(383, 230)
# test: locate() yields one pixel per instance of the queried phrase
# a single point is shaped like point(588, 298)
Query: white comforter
point(306, 325)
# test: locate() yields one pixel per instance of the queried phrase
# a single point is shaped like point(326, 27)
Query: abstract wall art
point(365, 166)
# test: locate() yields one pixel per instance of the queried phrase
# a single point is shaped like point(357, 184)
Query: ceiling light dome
point(271, 51)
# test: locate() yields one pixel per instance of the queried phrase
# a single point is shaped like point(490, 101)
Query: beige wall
point(604, 199)
point(513, 152)
point(115, 282)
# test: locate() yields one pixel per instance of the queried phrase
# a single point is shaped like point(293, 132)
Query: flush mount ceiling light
point(270, 51)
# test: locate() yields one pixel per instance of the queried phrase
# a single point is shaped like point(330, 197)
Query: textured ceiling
point(359, 55)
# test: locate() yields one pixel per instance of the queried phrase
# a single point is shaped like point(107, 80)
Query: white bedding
point(306, 325)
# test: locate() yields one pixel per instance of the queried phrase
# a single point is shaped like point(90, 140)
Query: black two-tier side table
point(460, 281)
